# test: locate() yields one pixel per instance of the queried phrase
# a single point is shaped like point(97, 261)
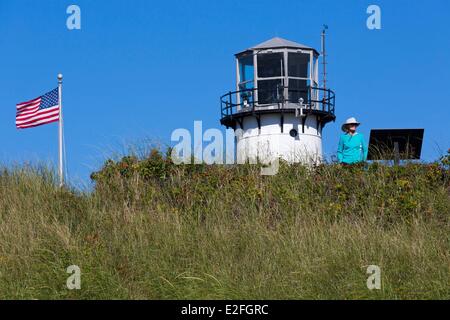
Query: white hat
point(351, 120)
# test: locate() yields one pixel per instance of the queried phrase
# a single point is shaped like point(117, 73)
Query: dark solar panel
point(395, 144)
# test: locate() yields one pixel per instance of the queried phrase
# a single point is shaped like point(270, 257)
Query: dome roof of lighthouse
point(278, 42)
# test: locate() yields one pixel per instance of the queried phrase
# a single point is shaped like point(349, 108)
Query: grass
point(153, 230)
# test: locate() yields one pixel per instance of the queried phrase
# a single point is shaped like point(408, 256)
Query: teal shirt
point(352, 149)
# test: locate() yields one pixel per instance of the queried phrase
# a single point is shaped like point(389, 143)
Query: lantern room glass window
point(246, 68)
point(270, 65)
point(297, 90)
point(299, 76)
point(270, 91)
point(246, 80)
point(298, 65)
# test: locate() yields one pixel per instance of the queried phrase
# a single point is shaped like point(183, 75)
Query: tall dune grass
point(154, 230)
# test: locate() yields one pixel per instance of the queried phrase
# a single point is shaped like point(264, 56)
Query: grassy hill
point(154, 230)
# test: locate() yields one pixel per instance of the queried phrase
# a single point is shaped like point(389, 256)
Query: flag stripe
point(31, 113)
point(38, 123)
point(38, 115)
point(27, 110)
point(22, 104)
point(28, 107)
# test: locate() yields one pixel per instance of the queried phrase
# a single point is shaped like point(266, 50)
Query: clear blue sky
point(140, 69)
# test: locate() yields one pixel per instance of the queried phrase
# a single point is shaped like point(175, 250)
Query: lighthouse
point(278, 108)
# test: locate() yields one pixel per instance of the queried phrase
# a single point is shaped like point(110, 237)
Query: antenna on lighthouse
point(324, 57)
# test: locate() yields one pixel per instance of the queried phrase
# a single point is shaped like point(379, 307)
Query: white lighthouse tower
point(278, 108)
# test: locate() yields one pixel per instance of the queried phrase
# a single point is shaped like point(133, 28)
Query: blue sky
point(140, 69)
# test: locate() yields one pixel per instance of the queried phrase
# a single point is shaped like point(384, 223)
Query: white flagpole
point(60, 131)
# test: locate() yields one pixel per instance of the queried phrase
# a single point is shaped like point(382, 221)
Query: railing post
point(328, 100)
point(253, 99)
point(309, 95)
point(230, 100)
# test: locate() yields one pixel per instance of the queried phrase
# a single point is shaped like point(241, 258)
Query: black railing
point(255, 99)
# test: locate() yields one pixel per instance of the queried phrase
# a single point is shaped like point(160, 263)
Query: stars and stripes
point(39, 111)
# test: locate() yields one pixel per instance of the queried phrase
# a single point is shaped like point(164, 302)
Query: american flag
point(39, 111)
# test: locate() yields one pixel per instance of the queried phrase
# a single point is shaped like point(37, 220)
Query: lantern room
point(273, 65)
